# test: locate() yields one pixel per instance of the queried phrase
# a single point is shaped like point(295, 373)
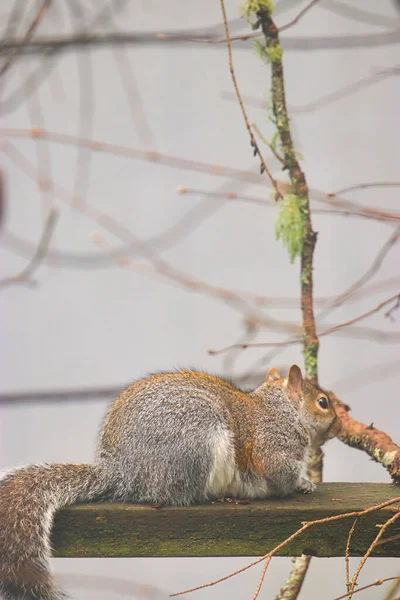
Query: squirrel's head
point(315, 406)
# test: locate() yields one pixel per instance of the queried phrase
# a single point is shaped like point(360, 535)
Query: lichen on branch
point(290, 224)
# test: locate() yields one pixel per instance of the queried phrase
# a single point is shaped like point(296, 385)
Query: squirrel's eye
point(323, 402)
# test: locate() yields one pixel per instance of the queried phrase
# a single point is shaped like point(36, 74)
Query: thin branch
point(347, 90)
point(57, 395)
point(85, 110)
point(160, 268)
point(392, 590)
point(298, 340)
point(24, 277)
point(177, 232)
point(387, 540)
point(262, 577)
point(359, 15)
point(375, 583)
point(305, 43)
point(27, 37)
point(253, 141)
point(340, 206)
point(369, 273)
point(271, 147)
point(135, 154)
point(306, 525)
point(299, 16)
point(346, 554)
point(113, 584)
point(369, 551)
point(365, 186)
point(196, 166)
point(361, 317)
point(326, 99)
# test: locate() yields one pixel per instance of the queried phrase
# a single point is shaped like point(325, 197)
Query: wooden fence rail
point(231, 529)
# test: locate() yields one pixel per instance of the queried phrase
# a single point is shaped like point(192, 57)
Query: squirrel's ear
point(295, 379)
point(273, 375)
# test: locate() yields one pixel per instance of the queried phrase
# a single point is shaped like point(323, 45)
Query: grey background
point(108, 326)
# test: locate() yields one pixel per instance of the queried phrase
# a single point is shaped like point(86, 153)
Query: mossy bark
point(298, 187)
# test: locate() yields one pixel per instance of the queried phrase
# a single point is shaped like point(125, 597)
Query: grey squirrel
point(171, 438)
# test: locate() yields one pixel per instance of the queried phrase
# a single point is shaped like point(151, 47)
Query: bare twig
point(24, 277)
point(387, 540)
point(346, 554)
point(369, 273)
point(389, 313)
point(360, 15)
point(253, 141)
point(369, 551)
point(299, 16)
point(135, 153)
point(327, 99)
point(347, 90)
point(375, 583)
point(25, 40)
point(392, 590)
point(262, 577)
point(306, 525)
point(339, 205)
point(271, 147)
point(45, 44)
point(365, 186)
point(160, 268)
point(197, 166)
point(85, 109)
point(320, 334)
point(115, 585)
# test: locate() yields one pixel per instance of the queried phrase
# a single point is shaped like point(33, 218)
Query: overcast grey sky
point(104, 326)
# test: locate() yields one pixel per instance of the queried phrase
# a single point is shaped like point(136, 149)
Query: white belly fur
point(225, 479)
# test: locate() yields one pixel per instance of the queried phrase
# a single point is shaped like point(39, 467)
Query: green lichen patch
point(250, 9)
point(311, 359)
point(290, 224)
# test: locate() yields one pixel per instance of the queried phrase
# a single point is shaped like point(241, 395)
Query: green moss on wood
point(250, 8)
point(289, 224)
point(227, 529)
point(310, 352)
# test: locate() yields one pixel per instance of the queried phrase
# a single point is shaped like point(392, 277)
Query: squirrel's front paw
point(306, 487)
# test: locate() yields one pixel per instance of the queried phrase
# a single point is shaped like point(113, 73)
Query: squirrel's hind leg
point(284, 476)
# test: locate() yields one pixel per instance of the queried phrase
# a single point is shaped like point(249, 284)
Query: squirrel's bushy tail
point(29, 497)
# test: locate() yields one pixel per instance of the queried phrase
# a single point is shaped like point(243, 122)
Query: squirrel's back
point(185, 437)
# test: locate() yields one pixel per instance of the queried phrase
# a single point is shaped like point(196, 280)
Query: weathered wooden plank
point(228, 529)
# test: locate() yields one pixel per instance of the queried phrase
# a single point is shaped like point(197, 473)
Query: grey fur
point(171, 439)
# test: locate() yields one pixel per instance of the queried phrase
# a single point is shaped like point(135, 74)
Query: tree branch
point(377, 444)
point(16, 50)
point(24, 277)
point(299, 189)
point(253, 141)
